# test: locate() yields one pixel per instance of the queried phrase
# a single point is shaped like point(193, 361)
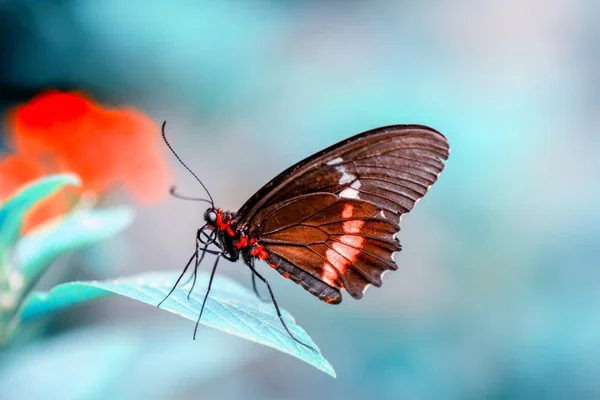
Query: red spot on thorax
point(221, 225)
point(224, 223)
point(260, 252)
point(243, 242)
point(263, 255)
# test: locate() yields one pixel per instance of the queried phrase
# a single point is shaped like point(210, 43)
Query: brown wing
point(329, 221)
point(334, 241)
point(391, 167)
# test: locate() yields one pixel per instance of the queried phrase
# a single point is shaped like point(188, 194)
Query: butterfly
point(328, 222)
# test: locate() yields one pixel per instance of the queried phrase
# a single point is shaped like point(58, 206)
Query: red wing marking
point(350, 254)
point(353, 226)
point(341, 256)
point(348, 210)
point(336, 260)
point(351, 240)
point(345, 244)
point(329, 275)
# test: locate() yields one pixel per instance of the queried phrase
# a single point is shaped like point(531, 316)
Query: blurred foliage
point(101, 361)
point(21, 269)
point(14, 210)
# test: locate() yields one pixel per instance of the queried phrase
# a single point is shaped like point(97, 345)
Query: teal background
point(496, 295)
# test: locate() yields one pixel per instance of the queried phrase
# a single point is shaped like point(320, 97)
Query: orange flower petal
point(44, 123)
point(105, 147)
point(16, 171)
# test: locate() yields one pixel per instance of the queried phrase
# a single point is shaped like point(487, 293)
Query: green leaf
point(230, 307)
point(36, 251)
point(14, 209)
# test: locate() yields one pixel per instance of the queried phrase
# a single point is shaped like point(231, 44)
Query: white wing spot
point(141, 281)
point(355, 185)
point(346, 177)
point(349, 193)
point(336, 161)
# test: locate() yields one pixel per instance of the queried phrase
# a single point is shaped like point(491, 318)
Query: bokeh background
point(497, 291)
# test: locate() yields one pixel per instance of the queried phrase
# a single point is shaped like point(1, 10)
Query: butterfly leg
point(198, 261)
point(212, 275)
point(256, 292)
point(210, 240)
point(197, 264)
point(195, 255)
point(259, 276)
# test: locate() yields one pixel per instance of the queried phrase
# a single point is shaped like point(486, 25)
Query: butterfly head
point(211, 215)
point(218, 220)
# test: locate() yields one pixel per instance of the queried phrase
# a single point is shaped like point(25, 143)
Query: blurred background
point(496, 295)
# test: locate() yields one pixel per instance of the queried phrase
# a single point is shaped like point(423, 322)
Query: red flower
point(68, 132)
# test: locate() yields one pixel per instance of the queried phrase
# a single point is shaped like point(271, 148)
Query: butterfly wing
point(391, 167)
point(345, 243)
point(329, 221)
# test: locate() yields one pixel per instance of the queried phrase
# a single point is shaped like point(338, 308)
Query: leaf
point(14, 209)
point(36, 251)
point(230, 307)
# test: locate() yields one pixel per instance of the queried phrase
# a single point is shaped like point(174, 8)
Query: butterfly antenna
point(164, 135)
point(182, 197)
